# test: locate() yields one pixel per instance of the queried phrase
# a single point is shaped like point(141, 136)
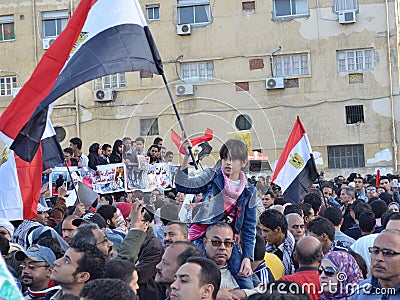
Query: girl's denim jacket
point(211, 184)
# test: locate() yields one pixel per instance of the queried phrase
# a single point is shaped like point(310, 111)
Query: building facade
point(232, 65)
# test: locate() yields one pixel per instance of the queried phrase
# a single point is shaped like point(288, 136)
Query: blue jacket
point(211, 184)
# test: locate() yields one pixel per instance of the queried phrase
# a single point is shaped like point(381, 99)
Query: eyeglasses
point(371, 191)
point(329, 271)
point(32, 266)
point(218, 243)
point(385, 252)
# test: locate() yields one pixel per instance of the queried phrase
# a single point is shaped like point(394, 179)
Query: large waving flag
point(103, 37)
point(296, 170)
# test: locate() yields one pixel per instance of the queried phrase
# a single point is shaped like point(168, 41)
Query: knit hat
point(125, 208)
point(7, 226)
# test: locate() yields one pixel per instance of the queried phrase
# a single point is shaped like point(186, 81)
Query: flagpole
point(73, 184)
point(178, 117)
point(319, 181)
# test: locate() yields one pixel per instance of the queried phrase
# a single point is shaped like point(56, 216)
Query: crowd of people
point(220, 235)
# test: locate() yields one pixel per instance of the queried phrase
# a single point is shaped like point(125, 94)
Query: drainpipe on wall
point(34, 26)
point(392, 106)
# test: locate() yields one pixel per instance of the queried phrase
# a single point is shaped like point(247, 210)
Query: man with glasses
point(37, 263)
point(92, 234)
point(385, 267)
point(218, 245)
point(370, 191)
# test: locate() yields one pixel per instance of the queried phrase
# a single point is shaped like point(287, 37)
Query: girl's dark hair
point(236, 149)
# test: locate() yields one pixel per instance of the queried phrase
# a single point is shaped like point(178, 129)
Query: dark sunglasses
point(329, 271)
point(217, 243)
point(385, 252)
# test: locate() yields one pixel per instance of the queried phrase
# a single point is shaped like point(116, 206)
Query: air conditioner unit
point(274, 83)
point(47, 42)
point(183, 29)
point(104, 95)
point(347, 17)
point(184, 89)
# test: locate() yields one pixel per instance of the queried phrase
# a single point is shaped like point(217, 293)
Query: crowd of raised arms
point(235, 238)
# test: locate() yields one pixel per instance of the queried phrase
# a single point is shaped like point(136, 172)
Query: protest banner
point(108, 178)
point(60, 176)
point(244, 136)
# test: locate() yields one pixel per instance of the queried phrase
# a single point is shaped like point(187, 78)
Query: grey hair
point(84, 234)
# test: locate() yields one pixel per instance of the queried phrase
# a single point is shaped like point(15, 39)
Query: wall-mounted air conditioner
point(104, 95)
point(183, 29)
point(274, 83)
point(347, 17)
point(184, 89)
point(47, 42)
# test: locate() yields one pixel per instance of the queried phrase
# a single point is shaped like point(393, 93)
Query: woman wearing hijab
point(116, 155)
point(94, 156)
point(339, 274)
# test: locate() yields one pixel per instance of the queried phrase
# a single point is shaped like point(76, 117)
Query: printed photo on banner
point(60, 176)
point(109, 178)
point(137, 173)
point(173, 169)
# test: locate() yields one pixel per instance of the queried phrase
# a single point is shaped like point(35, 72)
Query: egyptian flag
point(296, 170)
point(206, 137)
point(102, 37)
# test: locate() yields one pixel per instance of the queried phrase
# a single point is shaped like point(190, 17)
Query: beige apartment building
point(235, 65)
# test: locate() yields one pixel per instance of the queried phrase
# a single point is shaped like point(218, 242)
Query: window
point(290, 8)
point(243, 122)
point(199, 71)
point(355, 60)
point(110, 81)
point(7, 32)
point(354, 114)
point(341, 5)
point(60, 133)
point(194, 12)
point(291, 65)
point(7, 84)
point(153, 12)
point(347, 156)
point(149, 127)
point(53, 23)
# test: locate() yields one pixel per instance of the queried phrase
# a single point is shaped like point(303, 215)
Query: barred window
point(354, 114)
point(346, 156)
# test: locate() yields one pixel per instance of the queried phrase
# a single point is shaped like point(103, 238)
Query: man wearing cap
point(37, 263)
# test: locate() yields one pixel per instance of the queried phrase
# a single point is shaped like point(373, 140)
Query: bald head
point(308, 251)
